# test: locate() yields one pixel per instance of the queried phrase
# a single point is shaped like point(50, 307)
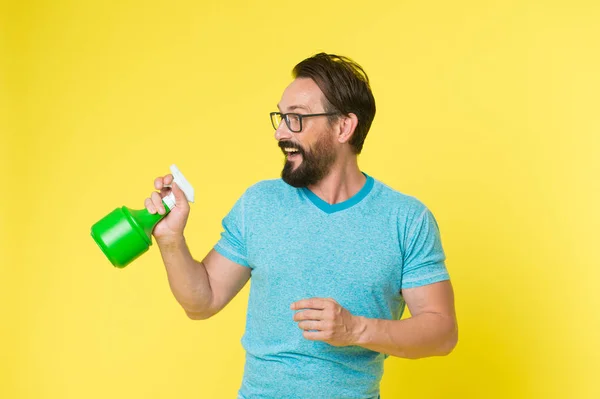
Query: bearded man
point(334, 255)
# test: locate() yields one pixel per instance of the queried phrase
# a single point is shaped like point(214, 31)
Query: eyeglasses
point(292, 120)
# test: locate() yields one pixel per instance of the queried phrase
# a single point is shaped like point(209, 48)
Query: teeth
point(291, 149)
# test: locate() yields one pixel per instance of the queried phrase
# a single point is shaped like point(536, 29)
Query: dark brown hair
point(345, 86)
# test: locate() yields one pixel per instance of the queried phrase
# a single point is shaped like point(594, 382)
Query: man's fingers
point(314, 335)
point(309, 314)
point(311, 325)
point(311, 303)
point(160, 182)
point(180, 197)
point(149, 206)
point(157, 202)
point(178, 192)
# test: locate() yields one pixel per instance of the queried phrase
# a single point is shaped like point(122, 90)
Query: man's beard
point(314, 166)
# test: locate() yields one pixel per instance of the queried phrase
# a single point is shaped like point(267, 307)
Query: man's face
point(314, 145)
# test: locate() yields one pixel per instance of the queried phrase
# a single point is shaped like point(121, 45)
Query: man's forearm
point(188, 278)
point(424, 335)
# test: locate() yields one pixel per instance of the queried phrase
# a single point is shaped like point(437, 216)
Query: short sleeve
point(424, 257)
point(232, 243)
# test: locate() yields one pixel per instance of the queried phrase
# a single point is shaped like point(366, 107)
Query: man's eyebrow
point(294, 107)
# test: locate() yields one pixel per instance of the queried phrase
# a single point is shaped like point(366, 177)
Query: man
point(334, 255)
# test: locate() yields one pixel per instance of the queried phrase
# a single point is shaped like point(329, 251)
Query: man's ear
point(348, 125)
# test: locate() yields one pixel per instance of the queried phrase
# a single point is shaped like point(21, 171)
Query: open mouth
point(291, 152)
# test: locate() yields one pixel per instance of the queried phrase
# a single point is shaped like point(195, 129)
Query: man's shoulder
point(266, 185)
point(408, 209)
point(267, 188)
point(397, 198)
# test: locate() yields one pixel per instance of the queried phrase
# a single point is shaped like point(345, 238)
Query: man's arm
point(201, 288)
point(431, 331)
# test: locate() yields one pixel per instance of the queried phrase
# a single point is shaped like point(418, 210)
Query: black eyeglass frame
point(285, 117)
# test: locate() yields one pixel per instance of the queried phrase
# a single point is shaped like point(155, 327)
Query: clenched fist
point(323, 319)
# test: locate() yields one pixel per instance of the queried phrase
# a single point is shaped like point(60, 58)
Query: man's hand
point(323, 319)
point(173, 224)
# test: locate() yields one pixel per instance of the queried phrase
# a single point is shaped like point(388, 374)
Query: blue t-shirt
point(361, 252)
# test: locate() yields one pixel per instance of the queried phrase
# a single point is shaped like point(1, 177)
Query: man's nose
point(282, 132)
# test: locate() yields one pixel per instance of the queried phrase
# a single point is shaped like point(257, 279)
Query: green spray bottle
point(125, 234)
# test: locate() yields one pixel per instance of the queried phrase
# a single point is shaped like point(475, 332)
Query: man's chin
point(293, 183)
point(293, 164)
point(290, 176)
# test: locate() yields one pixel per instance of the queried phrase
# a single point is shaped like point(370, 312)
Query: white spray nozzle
point(182, 182)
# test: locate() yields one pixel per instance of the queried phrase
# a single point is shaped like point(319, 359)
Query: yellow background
point(488, 111)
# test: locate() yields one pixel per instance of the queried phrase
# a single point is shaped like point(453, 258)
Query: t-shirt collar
point(331, 208)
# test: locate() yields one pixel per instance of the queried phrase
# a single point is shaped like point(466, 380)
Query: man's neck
point(342, 182)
